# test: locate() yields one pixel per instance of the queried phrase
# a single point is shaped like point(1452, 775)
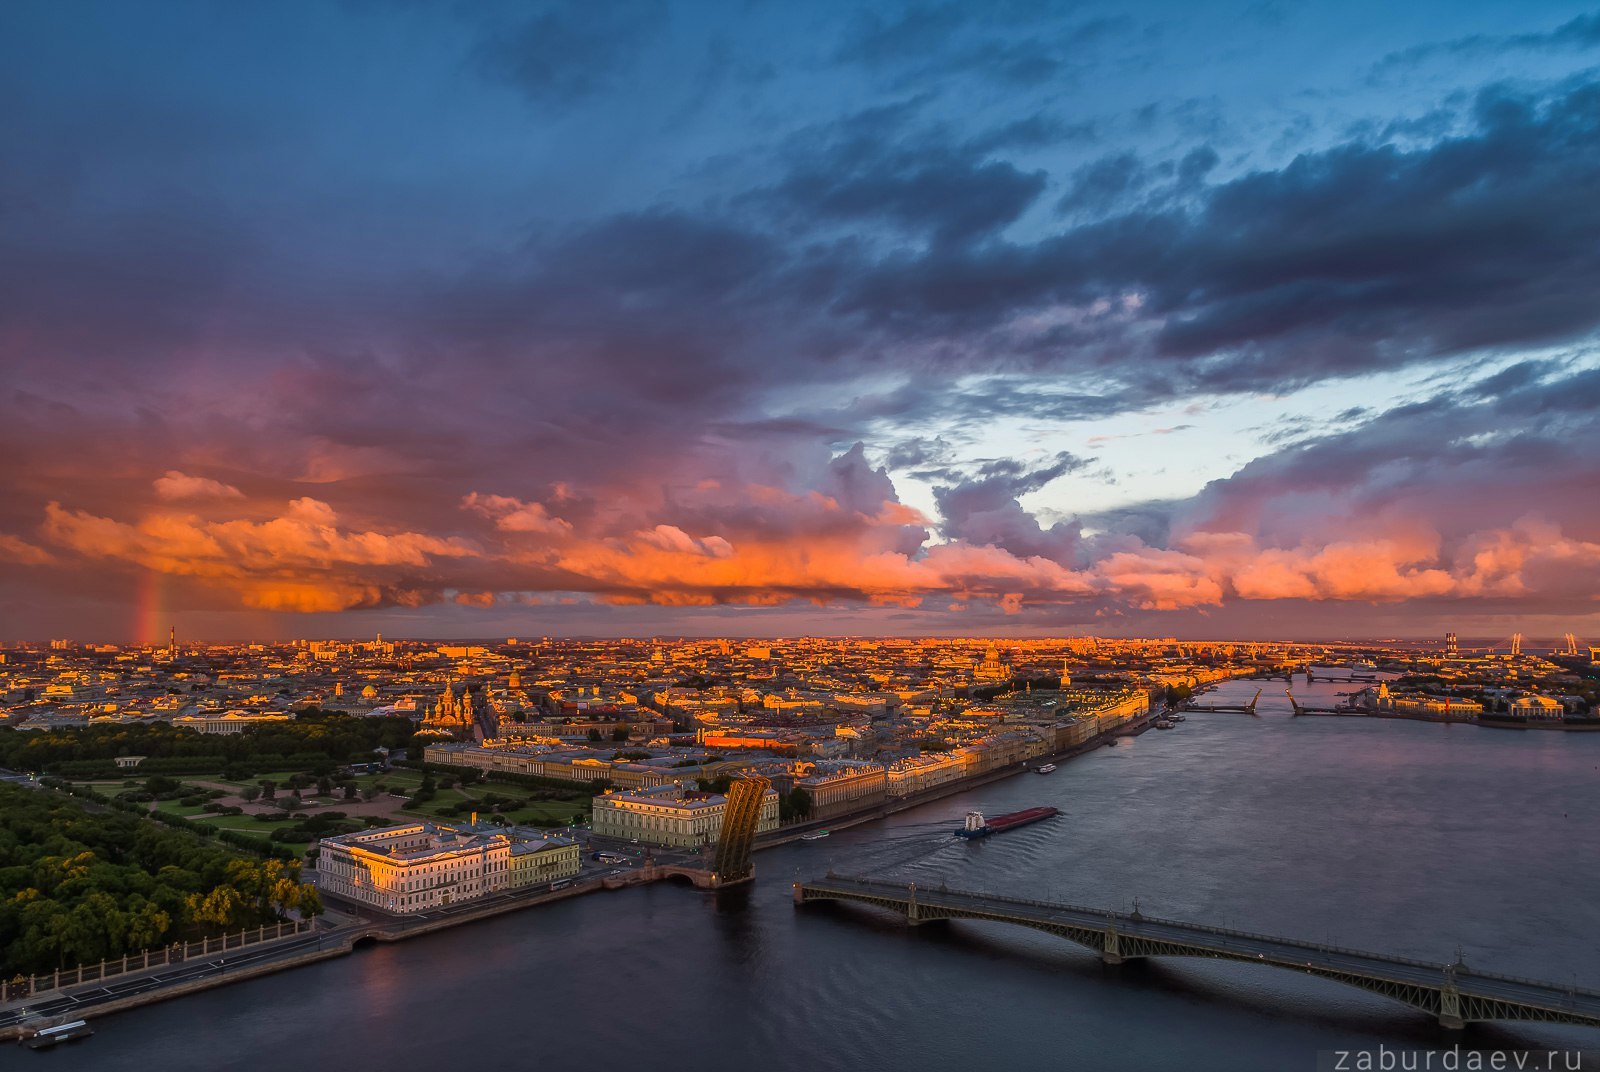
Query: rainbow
point(149, 613)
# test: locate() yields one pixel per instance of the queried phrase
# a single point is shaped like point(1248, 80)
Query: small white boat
point(1046, 769)
point(1163, 724)
point(815, 836)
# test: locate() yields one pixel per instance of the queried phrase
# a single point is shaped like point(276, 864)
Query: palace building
point(671, 815)
point(415, 867)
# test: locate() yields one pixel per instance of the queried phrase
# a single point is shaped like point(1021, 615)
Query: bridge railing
point(931, 895)
point(25, 986)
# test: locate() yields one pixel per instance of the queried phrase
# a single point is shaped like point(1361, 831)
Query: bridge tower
point(739, 823)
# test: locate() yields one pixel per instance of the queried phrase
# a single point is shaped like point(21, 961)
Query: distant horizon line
point(1467, 642)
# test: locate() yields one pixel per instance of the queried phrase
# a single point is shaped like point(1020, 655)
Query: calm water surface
point(1385, 835)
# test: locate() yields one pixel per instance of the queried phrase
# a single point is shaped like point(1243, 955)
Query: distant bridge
point(1453, 993)
point(1302, 709)
point(1248, 709)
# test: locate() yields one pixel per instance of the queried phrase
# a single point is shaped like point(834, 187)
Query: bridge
point(739, 822)
point(1302, 709)
point(1453, 993)
point(1248, 709)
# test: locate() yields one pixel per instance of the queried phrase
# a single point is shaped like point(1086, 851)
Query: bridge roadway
point(1454, 993)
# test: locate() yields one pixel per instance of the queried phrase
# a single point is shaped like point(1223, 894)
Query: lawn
point(465, 800)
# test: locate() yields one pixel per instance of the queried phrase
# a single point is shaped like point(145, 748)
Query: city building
point(1536, 708)
point(671, 816)
point(839, 786)
point(537, 860)
point(230, 722)
point(415, 867)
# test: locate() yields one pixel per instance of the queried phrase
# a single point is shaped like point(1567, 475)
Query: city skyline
point(917, 319)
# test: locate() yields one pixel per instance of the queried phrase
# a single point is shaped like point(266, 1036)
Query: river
point(1391, 836)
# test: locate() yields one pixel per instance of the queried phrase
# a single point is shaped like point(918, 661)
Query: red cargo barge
point(977, 827)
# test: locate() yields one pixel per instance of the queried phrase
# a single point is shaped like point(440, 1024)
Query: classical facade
point(916, 773)
point(838, 786)
point(991, 670)
point(1536, 708)
point(229, 723)
point(671, 815)
point(535, 861)
point(415, 867)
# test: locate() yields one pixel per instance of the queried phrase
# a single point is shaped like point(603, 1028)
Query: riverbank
point(1559, 725)
point(342, 939)
point(846, 820)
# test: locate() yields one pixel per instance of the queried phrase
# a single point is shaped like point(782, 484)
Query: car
point(618, 871)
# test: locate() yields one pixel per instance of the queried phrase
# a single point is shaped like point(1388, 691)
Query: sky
point(450, 319)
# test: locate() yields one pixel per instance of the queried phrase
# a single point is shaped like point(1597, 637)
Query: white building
point(413, 868)
point(230, 722)
point(1536, 708)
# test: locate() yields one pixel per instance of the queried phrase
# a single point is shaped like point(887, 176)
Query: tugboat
point(1048, 768)
point(46, 1037)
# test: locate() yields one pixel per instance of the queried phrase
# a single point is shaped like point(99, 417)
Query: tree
point(268, 789)
point(594, 735)
point(158, 786)
point(800, 802)
point(286, 804)
point(350, 791)
point(250, 792)
point(620, 733)
point(324, 786)
point(369, 793)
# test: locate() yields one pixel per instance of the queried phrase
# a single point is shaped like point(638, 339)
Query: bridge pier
point(1450, 1008)
point(913, 914)
point(1111, 953)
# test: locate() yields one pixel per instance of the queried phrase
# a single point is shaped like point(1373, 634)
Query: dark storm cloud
point(426, 339)
point(570, 49)
point(883, 166)
point(955, 199)
point(1360, 257)
point(1106, 183)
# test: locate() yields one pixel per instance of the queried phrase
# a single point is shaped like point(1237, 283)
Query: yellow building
point(670, 815)
point(916, 773)
point(535, 861)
